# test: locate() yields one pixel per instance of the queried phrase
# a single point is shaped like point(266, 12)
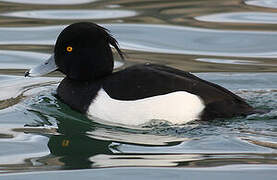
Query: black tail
point(260, 111)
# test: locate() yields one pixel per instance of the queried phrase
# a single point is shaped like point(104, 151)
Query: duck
point(136, 94)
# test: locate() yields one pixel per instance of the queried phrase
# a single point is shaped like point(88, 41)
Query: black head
point(83, 52)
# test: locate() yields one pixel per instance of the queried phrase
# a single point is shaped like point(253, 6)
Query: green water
point(229, 42)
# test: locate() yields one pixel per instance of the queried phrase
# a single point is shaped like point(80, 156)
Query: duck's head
point(82, 52)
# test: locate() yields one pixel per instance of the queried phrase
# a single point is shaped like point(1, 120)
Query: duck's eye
point(69, 48)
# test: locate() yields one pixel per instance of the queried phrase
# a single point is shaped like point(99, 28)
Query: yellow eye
point(69, 48)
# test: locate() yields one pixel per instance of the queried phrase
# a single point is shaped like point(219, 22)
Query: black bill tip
point(26, 73)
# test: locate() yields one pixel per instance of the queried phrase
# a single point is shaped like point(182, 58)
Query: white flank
point(178, 107)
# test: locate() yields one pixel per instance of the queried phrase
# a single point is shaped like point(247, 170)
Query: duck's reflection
point(79, 145)
point(75, 151)
point(72, 144)
point(100, 147)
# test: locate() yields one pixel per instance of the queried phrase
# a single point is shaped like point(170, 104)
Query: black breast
point(78, 94)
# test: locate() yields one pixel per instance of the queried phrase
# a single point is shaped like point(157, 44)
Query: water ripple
point(195, 41)
point(241, 17)
point(20, 59)
point(227, 61)
point(262, 3)
point(56, 2)
point(71, 14)
point(164, 39)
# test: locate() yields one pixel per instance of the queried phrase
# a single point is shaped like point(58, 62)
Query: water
point(231, 43)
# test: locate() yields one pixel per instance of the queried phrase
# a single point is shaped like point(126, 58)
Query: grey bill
point(48, 66)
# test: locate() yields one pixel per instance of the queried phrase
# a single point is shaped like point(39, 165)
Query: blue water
point(231, 43)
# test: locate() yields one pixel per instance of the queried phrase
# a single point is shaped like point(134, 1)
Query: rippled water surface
point(230, 42)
